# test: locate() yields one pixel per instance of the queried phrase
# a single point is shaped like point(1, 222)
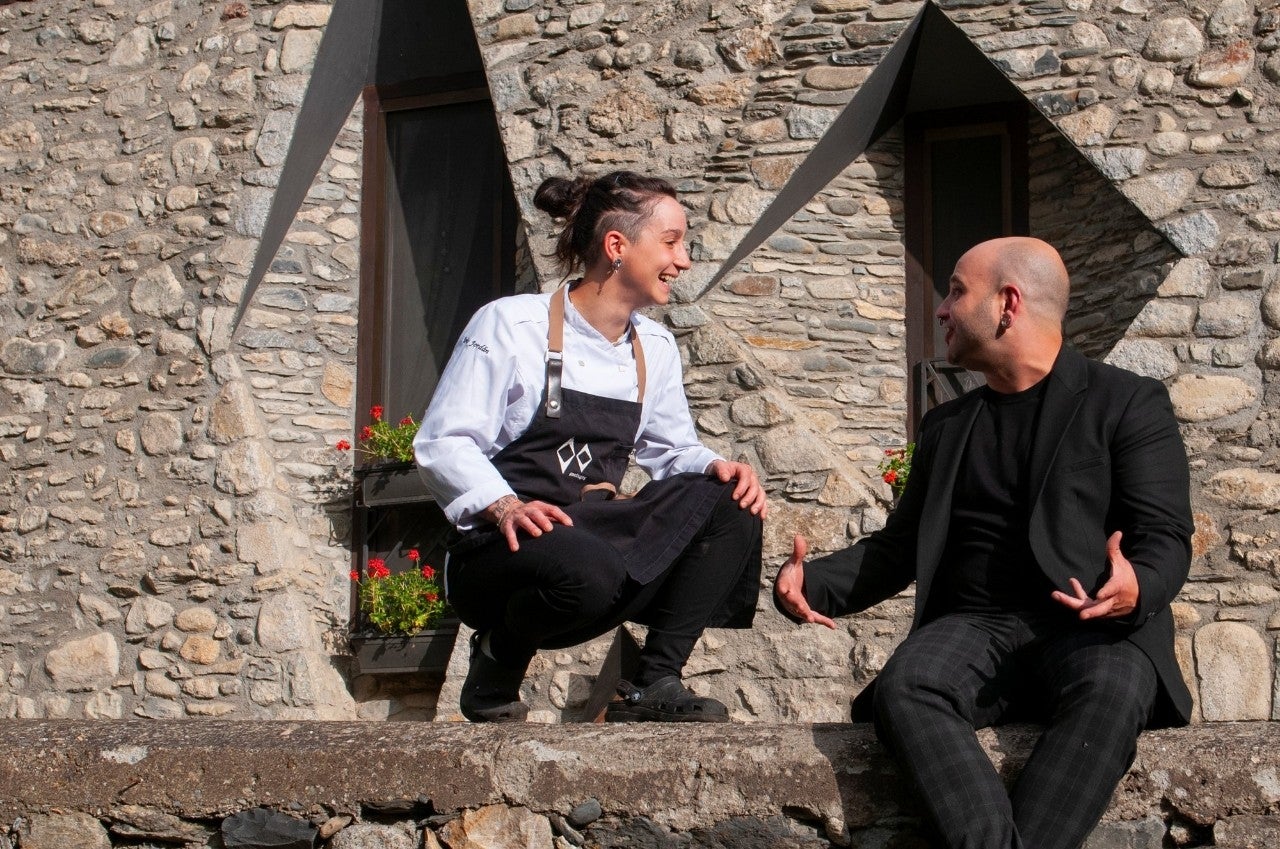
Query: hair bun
point(560, 197)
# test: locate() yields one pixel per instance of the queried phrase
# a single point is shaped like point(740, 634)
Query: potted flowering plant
point(896, 467)
point(384, 440)
point(390, 477)
point(408, 616)
point(404, 603)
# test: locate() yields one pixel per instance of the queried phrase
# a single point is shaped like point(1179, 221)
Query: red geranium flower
point(378, 568)
point(343, 445)
point(407, 420)
point(432, 595)
point(428, 572)
point(413, 554)
point(366, 433)
point(890, 476)
point(376, 412)
point(355, 576)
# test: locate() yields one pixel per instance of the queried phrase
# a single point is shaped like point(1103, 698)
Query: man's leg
point(946, 679)
point(1101, 691)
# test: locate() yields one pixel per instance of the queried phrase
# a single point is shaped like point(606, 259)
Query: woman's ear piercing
point(1004, 321)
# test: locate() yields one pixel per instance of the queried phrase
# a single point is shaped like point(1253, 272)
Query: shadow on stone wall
point(1116, 257)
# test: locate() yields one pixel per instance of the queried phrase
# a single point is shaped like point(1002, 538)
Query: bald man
point(1047, 525)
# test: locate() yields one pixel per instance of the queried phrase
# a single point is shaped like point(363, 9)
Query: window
point(439, 239)
point(438, 242)
point(966, 181)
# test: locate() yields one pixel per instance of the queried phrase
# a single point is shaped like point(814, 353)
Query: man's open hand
point(789, 587)
point(1118, 596)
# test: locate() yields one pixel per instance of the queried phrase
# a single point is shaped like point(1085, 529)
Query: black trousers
point(962, 672)
point(569, 586)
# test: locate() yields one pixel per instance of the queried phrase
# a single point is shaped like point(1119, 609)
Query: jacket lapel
point(1063, 395)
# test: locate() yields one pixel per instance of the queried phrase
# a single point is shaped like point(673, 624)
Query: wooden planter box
point(397, 654)
point(390, 484)
point(394, 513)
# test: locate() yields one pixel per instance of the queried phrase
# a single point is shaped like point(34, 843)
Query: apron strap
point(638, 353)
point(555, 352)
point(555, 355)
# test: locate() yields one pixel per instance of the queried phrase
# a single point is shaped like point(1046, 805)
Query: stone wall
point(175, 528)
point(344, 785)
point(1172, 106)
point(168, 548)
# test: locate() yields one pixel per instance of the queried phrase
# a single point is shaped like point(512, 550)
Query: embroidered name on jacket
point(569, 454)
point(468, 342)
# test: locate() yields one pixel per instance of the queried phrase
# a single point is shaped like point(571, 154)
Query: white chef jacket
point(494, 382)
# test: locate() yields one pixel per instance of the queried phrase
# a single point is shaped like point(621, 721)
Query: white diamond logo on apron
point(650, 529)
point(568, 453)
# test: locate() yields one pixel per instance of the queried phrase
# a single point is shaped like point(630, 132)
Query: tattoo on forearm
point(500, 508)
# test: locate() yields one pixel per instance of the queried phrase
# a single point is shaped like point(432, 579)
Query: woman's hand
point(512, 515)
point(748, 493)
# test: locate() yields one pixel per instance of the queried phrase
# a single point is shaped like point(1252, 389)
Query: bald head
point(1036, 268)
point(1004, 310)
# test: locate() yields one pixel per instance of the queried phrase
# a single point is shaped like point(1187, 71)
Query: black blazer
point(1107, 456)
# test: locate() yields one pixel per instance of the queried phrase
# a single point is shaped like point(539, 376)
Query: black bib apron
point(574, 455)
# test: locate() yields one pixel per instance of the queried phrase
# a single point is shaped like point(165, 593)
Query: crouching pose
point(1046, 523)
point(527, 439)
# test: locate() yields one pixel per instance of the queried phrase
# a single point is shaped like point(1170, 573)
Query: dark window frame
point(371, 369)
point(1010, 122)
point(391, 510)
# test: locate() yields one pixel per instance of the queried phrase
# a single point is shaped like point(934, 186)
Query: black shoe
point(665, 700)
point(491, 692)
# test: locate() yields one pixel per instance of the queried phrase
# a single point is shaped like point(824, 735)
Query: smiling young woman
point(542, 405)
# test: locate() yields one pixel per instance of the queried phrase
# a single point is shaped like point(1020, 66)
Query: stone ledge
point(682, 778)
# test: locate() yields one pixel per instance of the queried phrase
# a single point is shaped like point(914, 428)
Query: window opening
point(440, 238)
point(966, 181)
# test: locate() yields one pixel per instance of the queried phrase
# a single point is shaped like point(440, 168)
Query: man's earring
point(1005, 321)
point(617, 263)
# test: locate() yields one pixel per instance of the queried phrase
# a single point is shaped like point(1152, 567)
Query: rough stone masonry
point(175, 528)
point(88, 784)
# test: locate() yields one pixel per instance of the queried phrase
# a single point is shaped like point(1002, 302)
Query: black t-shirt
point(988, 564)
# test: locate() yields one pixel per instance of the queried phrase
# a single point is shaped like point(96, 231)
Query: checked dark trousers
point(965, 671)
